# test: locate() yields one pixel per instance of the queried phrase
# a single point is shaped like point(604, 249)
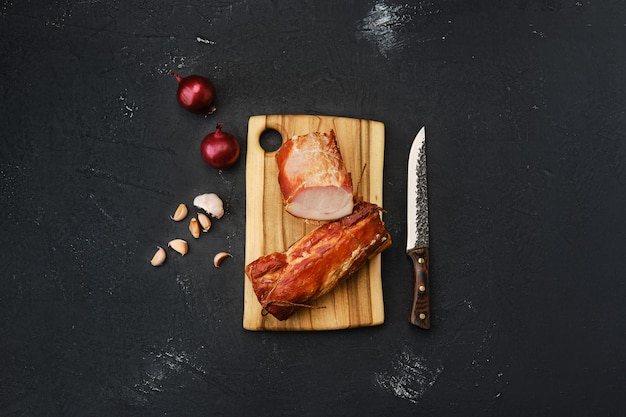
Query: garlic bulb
point(210, 203)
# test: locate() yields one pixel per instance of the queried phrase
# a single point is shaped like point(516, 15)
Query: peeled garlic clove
point(204, 221)
point(217, 260)
point(159, 257)
point(179, 245)
point(210, 203)
point(194, 227)
point(181, 213)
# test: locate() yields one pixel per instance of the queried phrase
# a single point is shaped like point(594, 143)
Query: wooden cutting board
point(357, 301)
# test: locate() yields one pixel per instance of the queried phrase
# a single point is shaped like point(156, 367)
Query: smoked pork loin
point(316, 263)
point(313, 179)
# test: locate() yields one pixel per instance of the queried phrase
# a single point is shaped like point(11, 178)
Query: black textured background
point(525, 108)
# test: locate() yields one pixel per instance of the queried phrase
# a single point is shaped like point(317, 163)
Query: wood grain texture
point(357, 301)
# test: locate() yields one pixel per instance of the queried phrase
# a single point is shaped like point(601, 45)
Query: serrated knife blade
point(417, 242)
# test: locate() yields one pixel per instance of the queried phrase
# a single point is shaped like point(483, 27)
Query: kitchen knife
point(417, 241)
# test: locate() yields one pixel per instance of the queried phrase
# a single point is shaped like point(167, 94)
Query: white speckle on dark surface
point(128, 107)
point(385, 25)
point(381, 24)
point(104, 213)
point(177, 61)
point(207, 41)
point(483, 351)
point(184, 283)
point(409, 376)
point(6, 4)
point(162, 366)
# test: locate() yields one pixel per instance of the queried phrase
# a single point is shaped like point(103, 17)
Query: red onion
point(220, 149)
point(195, 93)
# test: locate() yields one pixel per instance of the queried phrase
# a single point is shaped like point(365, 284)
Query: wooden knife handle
point(420, 310)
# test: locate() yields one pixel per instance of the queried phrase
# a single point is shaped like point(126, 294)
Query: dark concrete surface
point(525, 108)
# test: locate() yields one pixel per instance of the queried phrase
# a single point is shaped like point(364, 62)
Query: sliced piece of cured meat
point(316, 263)
point(313, 179)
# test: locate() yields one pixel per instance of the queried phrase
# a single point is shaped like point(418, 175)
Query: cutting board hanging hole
point(270, 140)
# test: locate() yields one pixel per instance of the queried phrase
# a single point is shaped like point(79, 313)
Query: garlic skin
point(179, 245)
point(210, 203)
point(159, 257)
point(181, 213)
point(204, 221)
point(194, 227)
point(217, 260)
